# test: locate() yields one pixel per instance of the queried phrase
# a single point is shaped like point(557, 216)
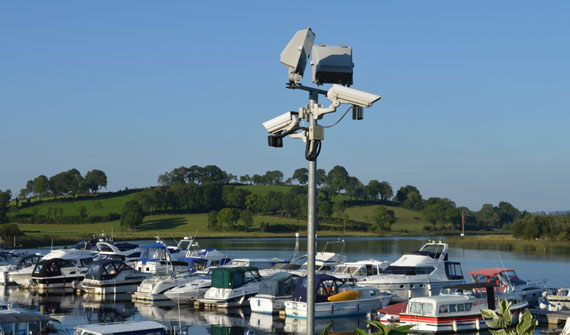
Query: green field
point(71, 207)
point(408, 221)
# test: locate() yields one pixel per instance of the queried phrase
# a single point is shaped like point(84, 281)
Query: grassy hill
point(178, 225)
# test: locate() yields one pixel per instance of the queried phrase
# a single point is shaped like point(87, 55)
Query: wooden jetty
point(550, 317)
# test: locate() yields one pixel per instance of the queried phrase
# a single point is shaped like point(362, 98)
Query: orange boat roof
point(490, 272)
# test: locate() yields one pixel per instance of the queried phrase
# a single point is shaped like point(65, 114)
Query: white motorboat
point(127, 252)
point(79, 258)
point(558, 299)
point(273, 292)
point(9, 274)
point(158, 259)
point(153, 289)
point(231, 287)
point(56, 273)
point(110, 276)
point(359, 270)
point(335, 297)
point(190, 291)
point(419, 273)
point(260, 263)
point(507, 281)
point(456, 310)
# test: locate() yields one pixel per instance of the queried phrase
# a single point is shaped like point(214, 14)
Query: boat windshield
point(421, 308)
point(409, 270)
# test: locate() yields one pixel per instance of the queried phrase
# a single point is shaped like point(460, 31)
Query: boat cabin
point(52, 267)
point(325, 286)
point(234, 277)
point(279, 284)
point(122, 328)
point(105, 269)
point(13, 322)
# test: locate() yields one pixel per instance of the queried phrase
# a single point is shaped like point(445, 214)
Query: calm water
point(73, 310)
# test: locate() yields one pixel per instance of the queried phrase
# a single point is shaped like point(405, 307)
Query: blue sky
point(475, 95)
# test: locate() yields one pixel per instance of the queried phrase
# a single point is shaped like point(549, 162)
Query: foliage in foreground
point(502, 321)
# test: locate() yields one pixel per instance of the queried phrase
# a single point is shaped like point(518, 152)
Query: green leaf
point(360, 331)
point(328, 329)
point(526, 324)
point(488, 314)
point(498, 332)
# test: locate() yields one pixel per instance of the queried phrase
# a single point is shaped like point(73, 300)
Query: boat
point(122, 328)
point(78, 257)
point(273, 292)
point(335, 297)
point(420, 273)
point(153, 289)
point(560, 298)
point(16, 322)
point(23, 266)
point(127, 252)
point(158, 259)
point(359, 270)
point(56, 273)
point(111, 276)
point(507, 281)
point(190, 291)
point(231, 287)
point(456, 309)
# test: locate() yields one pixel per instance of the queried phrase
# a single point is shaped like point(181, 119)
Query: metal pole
point(311, 228)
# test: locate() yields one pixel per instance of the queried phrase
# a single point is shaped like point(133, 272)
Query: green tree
point(507, 213)
point(436, 209)
point(5, 197)
point(213, 221)
point(383, 218)
point(402, 194)
point(413, 201)
point(228, 217)
point(301, 175)
point(354, 188)
point(246, 217)
point(324, 209)
point(41, 186)
point(339, 207)
point(374, 187)
point(254, 203)
point(95, 180)
point(83, 212)
point(337, 178)
point(234, 197)
point(385, 191)
point(98, 206)
point(132, 215)
point(489, 216)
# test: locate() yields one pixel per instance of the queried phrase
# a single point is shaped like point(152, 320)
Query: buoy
point(346, 295)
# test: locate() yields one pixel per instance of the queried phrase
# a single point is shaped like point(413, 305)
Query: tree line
point(65, 183)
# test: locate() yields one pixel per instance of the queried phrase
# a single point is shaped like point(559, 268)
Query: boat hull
point(298, 309)
point(266, 304)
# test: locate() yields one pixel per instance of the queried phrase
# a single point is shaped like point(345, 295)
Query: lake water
point(74, 310)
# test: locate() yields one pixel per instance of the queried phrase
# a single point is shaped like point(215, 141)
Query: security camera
point(346, 95)
point(284, 122)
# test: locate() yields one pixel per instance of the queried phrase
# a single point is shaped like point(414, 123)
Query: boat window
point(375, 270)
point(409, 270)
point(85, 261)
point(443, 309)
point(468, 307)
point(460, 307)
point(65, 264)
point(452, 308)
point(453, 270)
point(251, 275)
point(105, 248)
point(422, 308)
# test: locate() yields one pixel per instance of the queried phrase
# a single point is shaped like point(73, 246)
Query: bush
point(9, 230)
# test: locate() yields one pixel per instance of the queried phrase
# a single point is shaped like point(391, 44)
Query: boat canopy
point(154, 252)
point(51, 267)
point(105, 269)
point(234, 277)
point(279, 284)
point(325, 286)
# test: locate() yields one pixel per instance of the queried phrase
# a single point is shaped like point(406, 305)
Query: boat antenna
point(173, 238)
point(506, 272)
point(296, 250)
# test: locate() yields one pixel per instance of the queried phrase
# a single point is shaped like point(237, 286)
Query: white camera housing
point(346, 95)
point(284, 122)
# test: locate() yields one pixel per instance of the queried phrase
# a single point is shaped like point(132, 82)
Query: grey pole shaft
point(311, 229)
